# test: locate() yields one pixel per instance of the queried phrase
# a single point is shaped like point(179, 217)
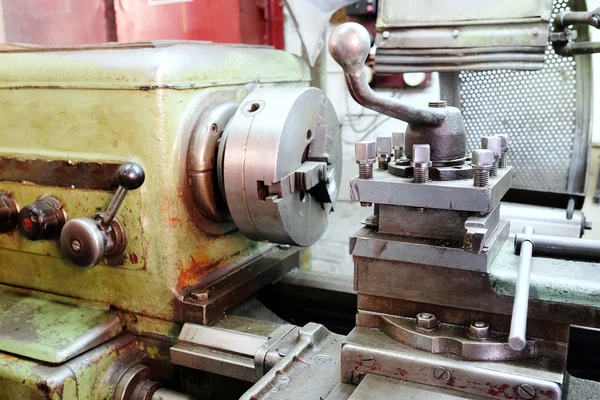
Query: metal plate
point(544, 113)
point(49, 331)
point(267, 141)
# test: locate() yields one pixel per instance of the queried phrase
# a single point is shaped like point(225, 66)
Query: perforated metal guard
point(538, 110)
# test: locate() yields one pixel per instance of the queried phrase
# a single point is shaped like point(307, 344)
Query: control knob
point(9, 213)
point(43, 219)
point(87, 240)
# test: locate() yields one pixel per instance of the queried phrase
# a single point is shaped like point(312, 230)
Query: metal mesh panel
point(536, 109)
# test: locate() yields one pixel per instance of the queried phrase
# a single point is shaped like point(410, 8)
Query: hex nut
point(426, 321)
point(479, 330)
point(365, 153)
point(384, 145)
point(493, 143)
point(482, 158)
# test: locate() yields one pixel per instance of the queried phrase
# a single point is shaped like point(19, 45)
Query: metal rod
point(553, 246)
point(518, 323)
point(114, 205)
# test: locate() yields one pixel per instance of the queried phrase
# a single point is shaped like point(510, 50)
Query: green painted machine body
point(113, 105)
point(69, 118)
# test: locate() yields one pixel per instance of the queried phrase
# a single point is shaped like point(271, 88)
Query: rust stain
point(401, 372)
point(191, 274)
point(174, 221)
point(451, 382)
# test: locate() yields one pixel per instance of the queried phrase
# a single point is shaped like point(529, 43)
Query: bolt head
point(482, 158)
point(479, 330)
point(365, 151)
point(384, 145)
point(526, 391)
point(503, 140)
point(398, 139)
point(426, 321)
point(385, 34)
point(493, 143)
point(421, 153)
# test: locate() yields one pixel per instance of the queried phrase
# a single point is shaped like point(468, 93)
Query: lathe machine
point(148, 190)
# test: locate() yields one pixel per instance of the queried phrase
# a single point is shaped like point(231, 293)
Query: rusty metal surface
point(61, 173)
point(369, 351)
point(205, 305)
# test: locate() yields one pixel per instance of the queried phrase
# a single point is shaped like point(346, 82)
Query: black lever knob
point(131, 176)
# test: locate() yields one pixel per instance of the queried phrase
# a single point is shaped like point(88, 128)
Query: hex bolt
point(427, 321)
point(398, 142)
point(526, 391)
point(365, 155)
point(421, 163)
point(384, 152)
point(479, 330)
point(482, 162)
point(442, 374)
point(502, 163)
point(493, 143)
point(367, 360)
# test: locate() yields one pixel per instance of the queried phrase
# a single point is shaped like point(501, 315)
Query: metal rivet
point(455, 33)
point(385, 34)
point(442, 374)
point(367, 360)
point(526, 391)
point(535, 31)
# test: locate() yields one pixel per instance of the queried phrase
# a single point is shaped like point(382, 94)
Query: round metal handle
point(83, 242)
point(131, 176)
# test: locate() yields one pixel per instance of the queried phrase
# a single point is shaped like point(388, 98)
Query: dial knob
point(9, 213)
point(43, 219)
point(83, 242)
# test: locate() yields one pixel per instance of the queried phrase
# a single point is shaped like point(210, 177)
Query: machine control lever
point(438, 125)
point(87, 240)
point(518, 323)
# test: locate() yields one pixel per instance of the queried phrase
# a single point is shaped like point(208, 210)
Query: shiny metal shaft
point(518, 323)
point(114, 206)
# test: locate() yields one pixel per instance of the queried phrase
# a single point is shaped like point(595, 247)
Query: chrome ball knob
point(349, 45)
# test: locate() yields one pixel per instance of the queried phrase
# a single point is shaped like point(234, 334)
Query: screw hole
point(308, 134)
point(253, 107)
point(214, 128)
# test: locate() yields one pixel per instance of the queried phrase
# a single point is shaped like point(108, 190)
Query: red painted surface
point(225, 21)
point(72, 22)
point(55, 22)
